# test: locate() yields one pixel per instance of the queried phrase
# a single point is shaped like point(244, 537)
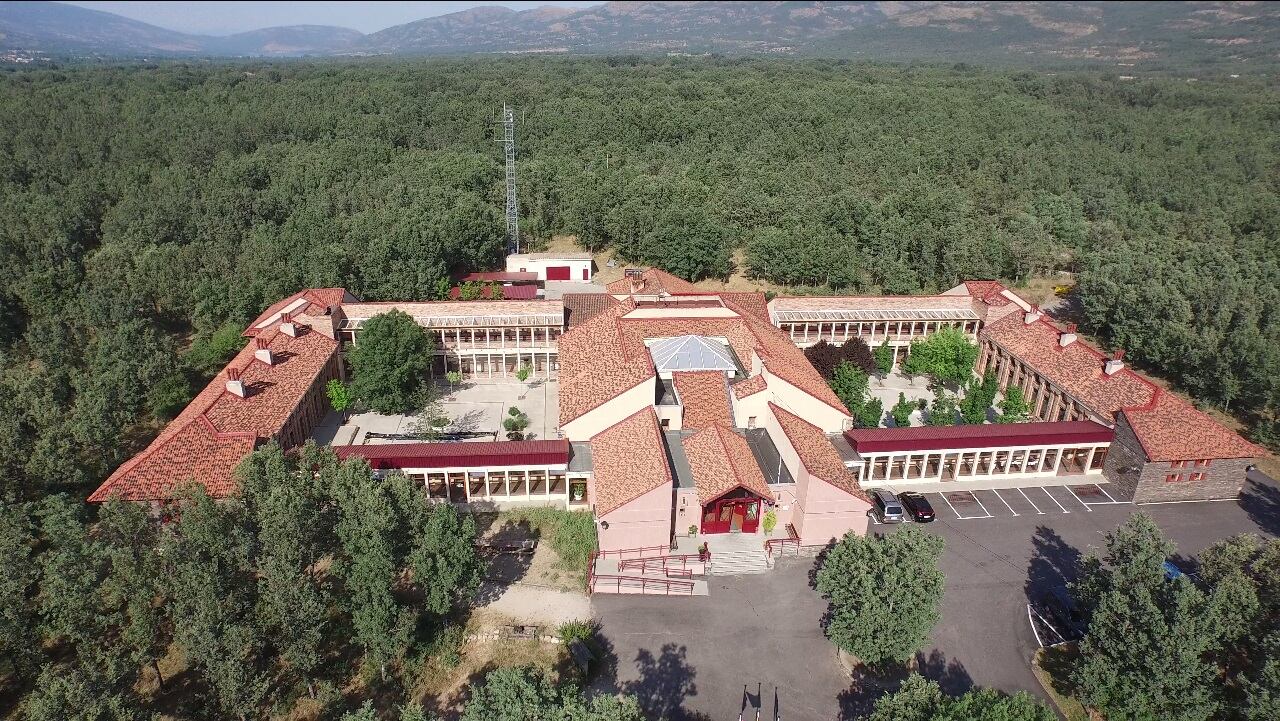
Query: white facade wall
point(579, 268)
point(587, 425)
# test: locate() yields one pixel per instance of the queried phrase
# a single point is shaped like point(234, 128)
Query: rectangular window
point(1173, 478)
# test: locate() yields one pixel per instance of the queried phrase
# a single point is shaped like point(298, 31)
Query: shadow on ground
point(1054, 562)
point(1260, 498)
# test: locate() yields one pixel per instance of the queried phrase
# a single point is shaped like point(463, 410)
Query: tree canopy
point(946, 355)
point(874, 583)
point(390, 363)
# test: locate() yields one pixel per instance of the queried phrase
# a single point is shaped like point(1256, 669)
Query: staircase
point(736, 554)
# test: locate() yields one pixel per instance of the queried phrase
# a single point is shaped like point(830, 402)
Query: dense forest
point(146, 213)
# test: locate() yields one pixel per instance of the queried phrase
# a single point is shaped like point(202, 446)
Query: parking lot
point(695, 658)
point(1012, 502)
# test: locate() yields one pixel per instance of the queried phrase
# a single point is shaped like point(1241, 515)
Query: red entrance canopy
point(461, 454)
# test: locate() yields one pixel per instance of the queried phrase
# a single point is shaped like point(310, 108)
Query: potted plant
point(578, 490)
point(704, 553)
point(770, 522)
point(693, 531)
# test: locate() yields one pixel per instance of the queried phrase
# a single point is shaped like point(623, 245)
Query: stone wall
point(1144, 482)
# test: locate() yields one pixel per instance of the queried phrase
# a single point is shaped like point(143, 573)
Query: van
point(887, 508)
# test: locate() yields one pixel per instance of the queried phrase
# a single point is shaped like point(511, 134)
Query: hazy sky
point(224, 18)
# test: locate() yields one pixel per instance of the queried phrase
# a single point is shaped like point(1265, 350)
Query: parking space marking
point(1073, 495)
point(1006, 503)
point(1024, 495)
point(1050, 495)
point(943, 496)
point(1104, 492)
point(984, 508)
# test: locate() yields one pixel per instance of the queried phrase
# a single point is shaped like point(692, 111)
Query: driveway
point(685, 657)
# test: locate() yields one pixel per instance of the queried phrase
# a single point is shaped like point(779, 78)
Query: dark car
point(1059, 609)
point(917, 506)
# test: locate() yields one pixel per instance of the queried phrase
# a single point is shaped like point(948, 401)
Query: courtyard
point(696, 657)
point(475, 410)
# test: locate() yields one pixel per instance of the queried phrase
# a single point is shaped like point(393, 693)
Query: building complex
point(686, 412)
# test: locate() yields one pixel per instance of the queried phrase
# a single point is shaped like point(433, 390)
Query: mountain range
point(1244, 35)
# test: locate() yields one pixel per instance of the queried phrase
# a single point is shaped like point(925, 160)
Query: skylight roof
point(692, 353)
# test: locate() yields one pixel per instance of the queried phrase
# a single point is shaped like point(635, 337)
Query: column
point(506, 481)
point(1088, 460)
point(942, 466)
point(1057, 461)
point(527, 484)
point(546, 485)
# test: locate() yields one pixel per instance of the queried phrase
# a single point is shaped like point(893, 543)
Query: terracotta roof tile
point(217, 429)
point(460, 312)
point(1168, 427)
point(581, 307)
point(1171, 429)
point(312, 301)
point(1077, 368)
point(749, 387)
point(606, 355)
point(987, 291)
point(817, 454)
point(628, 460)
point(721, 461)
point(748, 303)
point(705, 397)
point(653, 282)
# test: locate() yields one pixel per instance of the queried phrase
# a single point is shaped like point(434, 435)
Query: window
point(1197, 477)
point(751, 421)
point(1173, 478)
point(1204, 463)
point(666, 422)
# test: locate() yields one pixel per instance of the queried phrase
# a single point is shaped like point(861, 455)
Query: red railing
point(647, 551)
point(792, 540)
point(667, 564)
point(668, 586)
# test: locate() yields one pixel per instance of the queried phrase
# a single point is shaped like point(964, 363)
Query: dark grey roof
point(580, 458)
point(767, 456)
point(676, 458)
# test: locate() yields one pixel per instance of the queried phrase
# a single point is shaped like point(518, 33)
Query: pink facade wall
point(645, 521)
point(820, 510)
point(688, 510)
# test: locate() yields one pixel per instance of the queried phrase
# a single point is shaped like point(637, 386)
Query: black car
point(1059, 609)
point(917, 506)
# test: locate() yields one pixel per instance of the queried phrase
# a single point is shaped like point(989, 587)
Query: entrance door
point(731, 515)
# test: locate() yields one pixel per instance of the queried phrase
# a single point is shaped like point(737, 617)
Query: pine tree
point(19, 645)
point(1144, 654)
point(879, 582)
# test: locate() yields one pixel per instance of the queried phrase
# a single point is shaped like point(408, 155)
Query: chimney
point(262, 352)
point(1114, 365)
point(235, 386)
point(1068, 337)
point(287, 326)
point(1032, 315)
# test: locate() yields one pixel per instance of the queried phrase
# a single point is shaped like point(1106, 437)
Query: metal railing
point(669, 565)
point(647, 551)
point(792, 541)
point(669, 587)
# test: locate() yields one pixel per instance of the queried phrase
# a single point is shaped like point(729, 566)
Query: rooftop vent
point(235, 386)
point(1068, 336)
point(262, 352)
point(1032, 315)
point(287, 326)
point(1114, 364)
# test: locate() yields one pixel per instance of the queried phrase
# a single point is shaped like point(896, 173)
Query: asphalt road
point(708, 658)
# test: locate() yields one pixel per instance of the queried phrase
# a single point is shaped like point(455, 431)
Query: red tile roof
point(581, 307)
point(749, 387)
point(818, 456)
point(927, 438)
point(1168, 427)
point(721, 461)
point(705, 397)
point(1171, 429)
point(987, 291)
point(628, 460)
point(1077, 368)
point(312, 301)
point(471, 454)
point(217, 429)
point(653, 282)
point(606, 355)
point(753, 303)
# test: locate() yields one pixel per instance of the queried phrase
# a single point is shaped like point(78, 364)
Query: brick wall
point(1130, 473)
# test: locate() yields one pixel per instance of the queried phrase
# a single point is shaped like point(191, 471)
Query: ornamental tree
point(942, 412)
point(850, 385)
point(946, 355)
point(1146, 652)
point(875, 583)
point(339, 395)
point(519, 694)
point(1014, 408)
point(902, 411)
point(826, 357)
point(884, 359)
point(920, 699)
point(978, 397)
point(390, 362)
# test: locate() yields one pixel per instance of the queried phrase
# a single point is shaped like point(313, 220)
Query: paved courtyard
point(475, 408)
point(690, 658)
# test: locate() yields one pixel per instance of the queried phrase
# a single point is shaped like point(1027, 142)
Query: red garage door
point(557, 272)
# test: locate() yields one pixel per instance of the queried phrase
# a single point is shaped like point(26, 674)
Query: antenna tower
point(509, 146)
